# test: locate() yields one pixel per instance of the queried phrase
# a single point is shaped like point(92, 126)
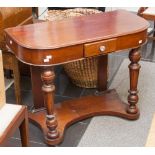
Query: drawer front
point(100, 47)
point(132, 40)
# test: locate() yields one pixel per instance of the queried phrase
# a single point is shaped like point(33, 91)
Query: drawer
point(100, 47)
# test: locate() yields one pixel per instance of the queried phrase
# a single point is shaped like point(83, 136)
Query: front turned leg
point(48, 89)
point(134, 67)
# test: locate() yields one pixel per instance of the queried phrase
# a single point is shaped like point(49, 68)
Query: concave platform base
point(74, 110)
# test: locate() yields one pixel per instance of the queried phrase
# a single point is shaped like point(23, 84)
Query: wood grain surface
point(79, 30)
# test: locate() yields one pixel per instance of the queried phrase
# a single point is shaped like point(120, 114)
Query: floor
point(66, 90)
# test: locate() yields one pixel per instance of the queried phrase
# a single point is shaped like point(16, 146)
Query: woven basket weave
point(83, 73)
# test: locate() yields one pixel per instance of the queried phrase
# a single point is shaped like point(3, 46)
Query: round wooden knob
point(102, 48)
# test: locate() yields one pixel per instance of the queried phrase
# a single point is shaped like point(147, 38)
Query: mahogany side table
point(52, 43)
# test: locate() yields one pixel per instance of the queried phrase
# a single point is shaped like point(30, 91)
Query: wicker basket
point(83, 73)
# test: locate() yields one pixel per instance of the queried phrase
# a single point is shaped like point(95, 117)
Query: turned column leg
point(134, 67)
point(48, 89)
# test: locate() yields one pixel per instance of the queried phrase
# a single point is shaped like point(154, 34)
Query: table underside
point(71, 111)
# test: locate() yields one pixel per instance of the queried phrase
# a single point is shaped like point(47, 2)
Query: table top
point(79, 30)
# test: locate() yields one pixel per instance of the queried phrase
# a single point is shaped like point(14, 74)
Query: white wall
point(134, 9)
point(41, 10)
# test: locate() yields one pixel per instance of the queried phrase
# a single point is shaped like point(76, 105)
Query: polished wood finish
point(21, 121)
point(95, 27)
point(48, 90)
point(75, 110)
point(37, 57)
point(52, 43)
point(92, 49)
point(102, 73)
point(134, 67)
point(70, 53)
point(38, 100)
point(70, 44)
point(36, 71)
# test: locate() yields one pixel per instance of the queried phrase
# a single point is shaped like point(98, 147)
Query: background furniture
point(11, 17)
point(11, 116)
point(148, 13)
point(54, 43)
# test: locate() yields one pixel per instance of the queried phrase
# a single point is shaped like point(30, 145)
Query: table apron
point(50, 57)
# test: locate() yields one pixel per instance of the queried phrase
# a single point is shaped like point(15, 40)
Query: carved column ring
point(133, 92)
point(133, 98)
point(51, 123)
point(48, 89)
point(134, 66)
